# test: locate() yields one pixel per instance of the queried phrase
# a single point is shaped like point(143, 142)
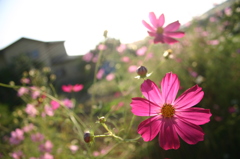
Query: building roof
point(24, 38)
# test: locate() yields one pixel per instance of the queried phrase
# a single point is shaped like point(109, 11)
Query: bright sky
point(81, 23)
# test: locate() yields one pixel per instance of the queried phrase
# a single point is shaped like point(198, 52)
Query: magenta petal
point(189, 132)
point(168, 137)
point(143, 107)
point(172, 27)
point(170, 86)
point(169, 40)
point(151, 92)
point(152, 33)
point(149, 128)
point(197, 116)
point(153, 19)
point(177, 34)
point(161, 20)
point(189, 98)
point(148, 26)
point(158, 38)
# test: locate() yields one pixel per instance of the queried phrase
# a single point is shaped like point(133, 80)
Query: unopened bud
point(105, 33)
point(88, 137)
point(102, 119)
point(167, 53)
point(142, 71)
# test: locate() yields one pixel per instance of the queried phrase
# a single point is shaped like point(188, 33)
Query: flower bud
point(105, 33)
point(167, 53)
point(142, 71)
point(88, 137)
point(102, 119)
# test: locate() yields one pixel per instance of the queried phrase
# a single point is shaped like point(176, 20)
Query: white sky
point(81, 23)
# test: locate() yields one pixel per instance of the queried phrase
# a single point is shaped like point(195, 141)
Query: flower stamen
point(167, 110)
point(160, 30)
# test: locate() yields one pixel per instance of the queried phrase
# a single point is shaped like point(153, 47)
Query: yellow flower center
point(167, 111)
point(159, 30)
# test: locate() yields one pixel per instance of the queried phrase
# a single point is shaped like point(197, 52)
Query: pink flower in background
point(48, 110)
point(87, 57)
point(17, 155)
point(218, 118)
point(141, 51)
point(28, 127)
point(77, 87)
point(121, 48)
point(16, 136)
point(149, 56)
point(125, 59)
point(46, 156)
point(132, 68)
point(102, 47)
point(68, 103)
point(228, 11)
point(110, 77)
point(37, 137)
point(73, 148)
point(46, 147)
point(22, 91)
point(25, 80)
point(55, 105)
point(95, 59)
point(67, 88)
point(35, 92)
point(170, 117)
point(163, 34)
point(31, 110)
point(213, 42)
point(100, 73)
point(72, 88)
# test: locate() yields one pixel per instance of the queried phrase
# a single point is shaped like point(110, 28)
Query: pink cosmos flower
point(46, 147)
point(73, 148)
point(110, 77)
point(16, 136)
point(100, 73)
point(170, 117)
point(48, 110)
point(55, 105)
point(68, 103)
point(31, 110)
point(102, 47)
point(213, 42)
point(17, 155)
point(125, 59)
point(141, 51)
point(22, 91)
point(132, 68)
point(37, 137)
point(35, 92)
point(28, 127)
point(77, 87)
point(121, 48)
point(88, 57)
point(47, 156)
point(25, 80)
point(163, 34)
point(72, 88)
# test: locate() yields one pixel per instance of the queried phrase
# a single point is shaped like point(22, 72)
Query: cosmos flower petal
point(168, 137)
point(148, 26)
point(151, 92)
point(172, 27)
point(197, 116)
point(170, 86)
point(161, 20)
point(153, 19)
point(159, 38)
point(189, 132)
point(177, 34)
point(151, 33)
point(149, 128)
point(189, 98)
point(169, 40)
point(143, 107)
